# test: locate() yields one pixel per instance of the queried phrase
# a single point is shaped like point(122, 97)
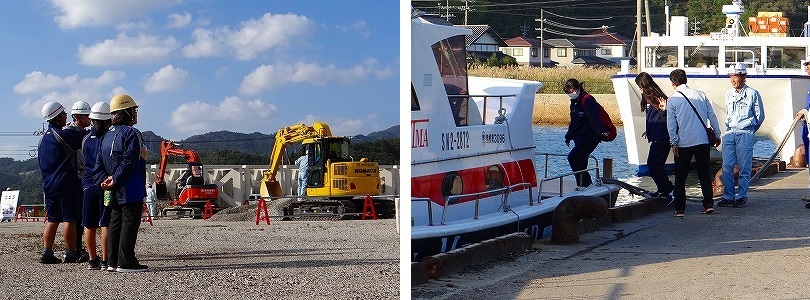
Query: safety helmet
point(100, 111)
point(737, 69)
point(121, 102)
point(52, 109)
point(80, 108)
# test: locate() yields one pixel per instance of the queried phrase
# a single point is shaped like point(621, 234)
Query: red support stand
point(208, 211)
point(148, 217)
point(261, 208)
point(368, 208)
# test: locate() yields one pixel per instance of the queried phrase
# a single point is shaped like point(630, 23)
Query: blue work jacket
point(122, 157)
point(58, 167)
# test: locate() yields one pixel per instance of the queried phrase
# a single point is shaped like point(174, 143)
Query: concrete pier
point(760, 251)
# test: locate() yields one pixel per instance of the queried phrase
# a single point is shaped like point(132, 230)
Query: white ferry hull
point(782, 95)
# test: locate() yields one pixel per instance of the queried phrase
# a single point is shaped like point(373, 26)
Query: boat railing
point(546, 156)
point(561, 177)
point(486, 98)
point(429, 209)
point(452, 200)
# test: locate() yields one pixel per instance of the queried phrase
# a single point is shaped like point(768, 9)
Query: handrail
point(484, 113)
point(546, 155)
point(429, 209)
point(560, 177)
point(500, 191)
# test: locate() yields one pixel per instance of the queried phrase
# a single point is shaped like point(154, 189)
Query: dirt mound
point(236, 214)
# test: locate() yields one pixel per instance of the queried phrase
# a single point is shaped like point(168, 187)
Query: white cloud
point(254, 37)
point(140, 49)
point(65, 90)
point(346, 126)
point(178, 20)
point(230, 113)
point(267, 77)
point(82, 13)
point(166, 79)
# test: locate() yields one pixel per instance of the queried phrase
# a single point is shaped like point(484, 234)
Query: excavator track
point(318, 210)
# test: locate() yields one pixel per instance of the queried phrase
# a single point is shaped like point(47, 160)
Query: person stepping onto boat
point(688, 112)
point(744, 116)
point(585, 130)
point(654, 105)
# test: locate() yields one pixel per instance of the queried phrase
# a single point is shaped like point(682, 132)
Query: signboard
point(8, 204)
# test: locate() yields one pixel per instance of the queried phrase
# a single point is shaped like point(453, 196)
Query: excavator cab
point(322, 153)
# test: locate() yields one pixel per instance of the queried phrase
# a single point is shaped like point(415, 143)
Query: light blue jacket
point(744, 110)
point(684, 127)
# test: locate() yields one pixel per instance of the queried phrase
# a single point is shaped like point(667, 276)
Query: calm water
point(551, 139)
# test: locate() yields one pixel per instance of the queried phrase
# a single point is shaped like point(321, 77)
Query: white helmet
point(52, 109)
point(80, 108)
point(100, 111)
point(737, 69)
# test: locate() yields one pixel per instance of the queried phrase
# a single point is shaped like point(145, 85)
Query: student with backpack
point(587, 128)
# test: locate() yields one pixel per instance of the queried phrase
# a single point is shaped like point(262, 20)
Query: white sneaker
point(132, 269)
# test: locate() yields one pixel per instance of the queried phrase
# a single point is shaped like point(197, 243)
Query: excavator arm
point(285, 136)
point(169, 148)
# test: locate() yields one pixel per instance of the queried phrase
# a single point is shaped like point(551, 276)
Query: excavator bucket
point(271, 189)
point(161, 192)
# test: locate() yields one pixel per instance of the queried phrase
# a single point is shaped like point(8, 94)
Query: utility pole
point(466, 10)
point(542, 54)
point(666, 18)
point(638, 29)
point(647, 15)
point(695, 27)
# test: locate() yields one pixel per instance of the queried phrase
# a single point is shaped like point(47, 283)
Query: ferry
point(774, 63)
point(473, 173)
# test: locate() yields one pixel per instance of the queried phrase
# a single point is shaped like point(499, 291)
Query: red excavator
point(192, 192)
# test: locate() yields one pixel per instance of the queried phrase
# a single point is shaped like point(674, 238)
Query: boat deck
point(756, 252)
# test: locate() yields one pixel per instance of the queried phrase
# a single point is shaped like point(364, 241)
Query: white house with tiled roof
point(483, 42)
point(612, 46)
point(570, 54)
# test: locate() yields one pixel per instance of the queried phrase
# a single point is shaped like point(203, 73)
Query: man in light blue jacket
point(688, 112)
point(744, 116)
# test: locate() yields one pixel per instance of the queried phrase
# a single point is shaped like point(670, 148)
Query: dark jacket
point(585, 124)
point(58, 168)
point(656, 124)
point(90, 147)
point(120, 156)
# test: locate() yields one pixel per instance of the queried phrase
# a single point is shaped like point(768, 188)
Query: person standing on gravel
point(121, 171)
point(687, 112)
point(80, 112)
point(94, 213)
point(745, 115)
point(56, 155)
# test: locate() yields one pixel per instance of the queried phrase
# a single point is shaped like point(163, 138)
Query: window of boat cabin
point(700, 56)
point(785, 57)
point(451, 57)
point(661, 57)
point(414, 100)
point(750, 56)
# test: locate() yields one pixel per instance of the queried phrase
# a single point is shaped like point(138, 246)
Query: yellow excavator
point(336, 184)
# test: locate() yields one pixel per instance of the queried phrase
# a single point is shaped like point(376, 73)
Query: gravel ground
point(196, 259)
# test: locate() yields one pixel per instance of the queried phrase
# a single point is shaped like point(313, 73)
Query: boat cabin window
point(452, 184)
point(787, 57)
point(700, 56)
point(661, 57)
point(414, 100)
point(451, 57)
point(494, 178)
point(750, 56)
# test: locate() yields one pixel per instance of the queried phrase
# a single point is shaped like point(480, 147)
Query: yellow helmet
point(121, 102)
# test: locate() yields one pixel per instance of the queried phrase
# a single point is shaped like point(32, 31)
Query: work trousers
point(738, 148)
point(123, 233)
point(659, 150)
point(578, 159)
point(701, 155)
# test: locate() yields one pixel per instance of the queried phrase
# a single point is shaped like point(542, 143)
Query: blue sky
point(195, 66)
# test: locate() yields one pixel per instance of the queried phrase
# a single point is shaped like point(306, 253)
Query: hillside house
point(612, 46)
point(573, 54)
point(483, 42)
point(526, 51)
